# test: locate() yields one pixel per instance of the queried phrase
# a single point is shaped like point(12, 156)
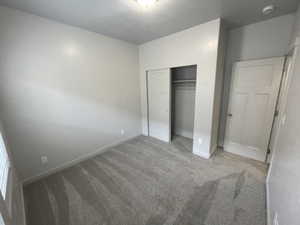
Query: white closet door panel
point(159, 82)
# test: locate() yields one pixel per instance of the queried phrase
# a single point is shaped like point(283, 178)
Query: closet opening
point(183, 92)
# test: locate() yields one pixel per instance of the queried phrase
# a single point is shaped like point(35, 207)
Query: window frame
point(6, 201)
point(5, 184)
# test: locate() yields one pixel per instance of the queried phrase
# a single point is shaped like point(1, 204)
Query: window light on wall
point(4, 167)
point(146, 3)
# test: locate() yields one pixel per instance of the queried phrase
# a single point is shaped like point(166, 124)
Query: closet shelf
point(183, 81)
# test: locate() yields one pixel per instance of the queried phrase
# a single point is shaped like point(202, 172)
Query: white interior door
point(159, 100)
point(254, 90)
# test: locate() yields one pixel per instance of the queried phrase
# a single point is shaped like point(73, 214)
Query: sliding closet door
point(159, 97)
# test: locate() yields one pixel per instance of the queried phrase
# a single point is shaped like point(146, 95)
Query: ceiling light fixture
point(146, 3)
point(268, 9)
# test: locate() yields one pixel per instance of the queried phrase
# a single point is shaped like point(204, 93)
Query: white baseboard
point(75, 161)
point(204, 155)
point(244, 151)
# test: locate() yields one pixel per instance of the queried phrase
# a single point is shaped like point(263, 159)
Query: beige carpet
point(147, 182)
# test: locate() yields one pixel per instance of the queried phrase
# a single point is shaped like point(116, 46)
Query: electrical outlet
point(44, 159)
point(122, 132)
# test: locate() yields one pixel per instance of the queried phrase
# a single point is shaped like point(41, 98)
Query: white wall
point(222, 47)
point(184, 109)
point(265, 39)
point(283, 184)
point(197, 45)
point(296, 30)
point(65, 92)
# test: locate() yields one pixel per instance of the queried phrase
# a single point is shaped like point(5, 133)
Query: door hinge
point(269, 151)
point(276, 113)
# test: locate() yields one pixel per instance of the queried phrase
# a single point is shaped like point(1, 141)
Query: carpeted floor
point(147, 182)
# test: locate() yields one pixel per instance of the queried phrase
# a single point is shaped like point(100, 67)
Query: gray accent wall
point(66, 93)
point(183, 110)
point(183, 100)
point(265, 39)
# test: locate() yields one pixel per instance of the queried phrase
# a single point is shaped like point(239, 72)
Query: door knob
point(229, 114)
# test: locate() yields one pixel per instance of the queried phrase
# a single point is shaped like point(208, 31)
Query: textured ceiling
point(126, 20)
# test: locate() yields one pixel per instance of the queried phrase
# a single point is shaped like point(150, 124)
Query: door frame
point(280, 102)
point(287, 74)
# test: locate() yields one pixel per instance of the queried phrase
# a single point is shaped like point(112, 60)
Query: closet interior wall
point(183, 100)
